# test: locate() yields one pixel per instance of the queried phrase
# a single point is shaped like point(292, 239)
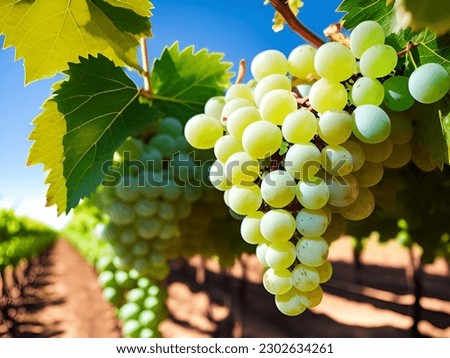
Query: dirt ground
point(64, 299)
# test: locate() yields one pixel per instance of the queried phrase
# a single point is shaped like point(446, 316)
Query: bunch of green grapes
point(292, 166)
point(139, 300)
point(152, 188)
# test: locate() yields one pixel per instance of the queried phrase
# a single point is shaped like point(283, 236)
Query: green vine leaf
point(140, 7)
point(50, 34)
point(100, 105)
point(183, 81)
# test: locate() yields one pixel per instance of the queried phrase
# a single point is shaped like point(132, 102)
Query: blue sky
point(238, 28)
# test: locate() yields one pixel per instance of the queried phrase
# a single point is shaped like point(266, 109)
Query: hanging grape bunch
point(293, 166)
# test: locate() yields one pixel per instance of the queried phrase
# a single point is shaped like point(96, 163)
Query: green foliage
point(22, 238)
point(184, 80)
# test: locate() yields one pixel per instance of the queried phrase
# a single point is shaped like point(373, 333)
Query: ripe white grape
point(277, 282)
point(281, 255)
point(369, 175)
point(305, 278)
point(312, 298)
point(335, 126)
point(365, 35)
point(311, 222)
point(250, 228)
point(277, 225)
point(401, 128)
point(300, 126)
point(276, 105)
point(217, 176)
point(214, 107)
point(429, 83)
point(149, 228)
point(226, 146)
point(343, 190)
point(302, 161)
point(301, 62)
point(269, 83)
point(357, 153)
point(290, 303)
point(244, 200)
point(202, 131)
point(170, 126)
point(396, 94)
point(325, 271)
point(261, 139)
point(278, 188)
point(370, 124)
point(240, 119)
point(335, 62)
point(239, 90)
point(422, 159)
point(240, 168)
point(146, 207)
point(336, 160)
point(400, 156)
point(261, 250)
point(378, 61)
point(313, 194)
point(361, 208)
point(376, 153)
point(326, 95)
point(367, 91)
point(267, 63)
point(121, 214)
point(232, 106)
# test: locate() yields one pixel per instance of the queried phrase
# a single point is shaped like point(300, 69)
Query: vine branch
point(409, 46)
point(283, 8)
point(241, 73)
point(145, 65)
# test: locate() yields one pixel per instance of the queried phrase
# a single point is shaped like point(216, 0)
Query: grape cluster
point(140, 300)
point(292, 160)
point(148, 199)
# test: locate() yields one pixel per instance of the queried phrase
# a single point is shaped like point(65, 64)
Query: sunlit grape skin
point(429, 83)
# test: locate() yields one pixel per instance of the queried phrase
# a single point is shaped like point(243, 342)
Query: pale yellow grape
point(378, 61)
point(326, 95)
point(335, 62)
point(369, 175)
point(239, 90)
point(305, 278)
point(301, 62)
point(231, 106)
point(312, 298)
point(261, 250)
point(400, 156)
point(240, 168)
point(312, 251)
point(376, 153)
point(244, 200)
point(226, 195)
point(261, 139)
point(367, 91)
point(289, 303)
point(311, 222)
point(217, 177)
point(276, 105)
point(240, 119)
point(214, 107)
point(366, 34)
point(336, 160)
point(227, 146)
point(370, 124)
point(302, 161)
point(277, 282)
point(277, 225)
point(313, 194)
point(267, 63)
point(328, 213)
point(361, 208)
point(325, 271)
point(278, 188)
point(281, 255)
point(422, 159)
point(357, 153)
point(343, 190)
point(401, 128)
point(300, 126)
point(270, 83)
point(336, 229)
point(335, 126)
point(250, 228)
point(202, 131)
